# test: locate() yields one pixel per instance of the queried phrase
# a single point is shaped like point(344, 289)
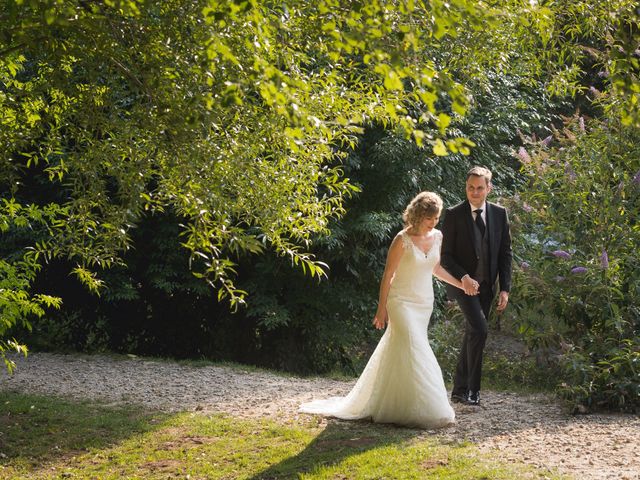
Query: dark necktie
point(479, 221)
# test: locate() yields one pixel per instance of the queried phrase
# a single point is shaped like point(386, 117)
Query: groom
point(476, 249)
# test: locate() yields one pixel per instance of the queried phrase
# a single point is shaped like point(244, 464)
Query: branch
point(7, 51)
point(132, 77)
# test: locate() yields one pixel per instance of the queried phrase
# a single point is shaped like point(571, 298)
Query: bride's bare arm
point(393, 259)
point(445, 276)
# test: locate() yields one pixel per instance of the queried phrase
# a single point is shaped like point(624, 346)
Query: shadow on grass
point(35, 430)
point(336, 443)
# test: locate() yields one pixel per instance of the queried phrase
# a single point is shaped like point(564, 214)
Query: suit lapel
point(490, 227)
point(470, 227)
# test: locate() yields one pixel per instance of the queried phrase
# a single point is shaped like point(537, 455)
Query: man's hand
point(503, 299)
point(469, 285)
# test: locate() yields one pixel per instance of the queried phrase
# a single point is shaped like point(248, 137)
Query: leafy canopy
point(234, 117)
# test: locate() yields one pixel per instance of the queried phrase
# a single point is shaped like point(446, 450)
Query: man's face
point(477, 190)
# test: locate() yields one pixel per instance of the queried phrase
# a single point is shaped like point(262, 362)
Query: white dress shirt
point(483, 214)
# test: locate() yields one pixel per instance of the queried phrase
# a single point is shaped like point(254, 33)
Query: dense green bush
point(232, 117)
point(578, 280)
point(155, 306)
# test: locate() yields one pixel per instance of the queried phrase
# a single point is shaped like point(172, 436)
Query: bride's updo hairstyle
point(424, 205)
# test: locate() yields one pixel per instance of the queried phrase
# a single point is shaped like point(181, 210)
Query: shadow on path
point(36, 430)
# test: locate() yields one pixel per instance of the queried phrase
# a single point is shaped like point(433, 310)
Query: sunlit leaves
point(17, 304)
point(89, 279)
point(237, 116)
point(439, 148)
point(624, 65)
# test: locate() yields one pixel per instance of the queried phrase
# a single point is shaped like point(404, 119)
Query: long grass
point(52, 438)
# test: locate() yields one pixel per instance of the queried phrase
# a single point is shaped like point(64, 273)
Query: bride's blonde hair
point(423, 205)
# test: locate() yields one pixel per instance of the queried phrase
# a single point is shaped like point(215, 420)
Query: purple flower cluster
point(547, 140)
point(526, 207)
point(581, 124)
point(569, 171)
point(636, 178)
point(524, 266)
point(524, 155)
point(576, 270)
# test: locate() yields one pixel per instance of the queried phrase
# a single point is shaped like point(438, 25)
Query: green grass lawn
point(50, 438)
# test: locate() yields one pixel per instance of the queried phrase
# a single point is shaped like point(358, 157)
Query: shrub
point(577, 275)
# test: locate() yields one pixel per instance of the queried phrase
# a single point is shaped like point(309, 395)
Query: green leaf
point(392, 81)
point(439, 148)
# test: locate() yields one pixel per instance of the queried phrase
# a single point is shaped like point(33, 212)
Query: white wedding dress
point(402, 382)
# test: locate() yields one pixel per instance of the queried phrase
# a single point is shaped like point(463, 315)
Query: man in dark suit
point(476, 249)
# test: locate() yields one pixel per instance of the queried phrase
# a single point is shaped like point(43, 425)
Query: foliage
point(603, 373)
point(232, 118)
point(17, 272)
point(290, 322)
point(236, 122)
point(153, 306)
point(578, 281)
point(618, 28)
point(328, 322)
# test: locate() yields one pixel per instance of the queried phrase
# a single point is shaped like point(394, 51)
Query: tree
point(232, 118)
point(235, 118)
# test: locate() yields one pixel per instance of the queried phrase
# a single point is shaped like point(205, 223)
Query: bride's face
point(429, 223)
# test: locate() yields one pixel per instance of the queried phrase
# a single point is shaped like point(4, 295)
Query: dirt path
point(533, 429)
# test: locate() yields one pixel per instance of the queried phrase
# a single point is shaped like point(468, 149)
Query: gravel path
point(533, 429)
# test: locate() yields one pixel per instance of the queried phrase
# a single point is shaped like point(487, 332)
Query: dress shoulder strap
point(406, 241)
point(439, 237)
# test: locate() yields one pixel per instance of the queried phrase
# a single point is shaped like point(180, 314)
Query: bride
point(402, 382)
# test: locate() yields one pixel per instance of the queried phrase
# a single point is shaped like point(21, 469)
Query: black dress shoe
point(458, 398)
point(473, 398)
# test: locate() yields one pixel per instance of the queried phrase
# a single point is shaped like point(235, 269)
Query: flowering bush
point(577, 235)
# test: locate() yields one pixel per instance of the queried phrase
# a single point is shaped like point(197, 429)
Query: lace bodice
point(413, 280)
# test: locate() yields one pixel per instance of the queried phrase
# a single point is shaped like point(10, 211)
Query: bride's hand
point(380, 320)
point(470, 286)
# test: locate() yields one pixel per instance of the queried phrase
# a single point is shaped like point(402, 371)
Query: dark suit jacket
point(458, 255)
